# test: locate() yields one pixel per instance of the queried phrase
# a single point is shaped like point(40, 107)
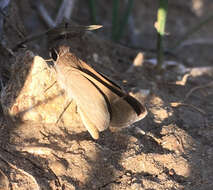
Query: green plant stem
point(92, 11)
point(124, 20)
point(114, 18)
point(161, 23)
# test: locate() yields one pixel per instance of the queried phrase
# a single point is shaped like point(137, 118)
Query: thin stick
point(196, 88)
point(193, 30)
point(60, 14)
point(199, 41)
point(177, 104)
point(20, 34)
point(69, 9)
point(43, 13)
point(60, 30)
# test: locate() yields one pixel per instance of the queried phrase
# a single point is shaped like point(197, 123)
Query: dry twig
point(43, 13)
point(65, 10)
point(177, 104)
point(196, 88)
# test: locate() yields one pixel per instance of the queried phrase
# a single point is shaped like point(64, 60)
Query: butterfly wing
point(91, 101)
point(126, 111)
point(124, 108)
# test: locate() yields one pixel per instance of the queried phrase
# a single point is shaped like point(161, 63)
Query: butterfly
point(101, 103)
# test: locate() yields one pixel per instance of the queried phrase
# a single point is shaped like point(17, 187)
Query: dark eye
point(53, 54)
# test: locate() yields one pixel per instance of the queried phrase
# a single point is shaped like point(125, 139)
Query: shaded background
point(140, 31)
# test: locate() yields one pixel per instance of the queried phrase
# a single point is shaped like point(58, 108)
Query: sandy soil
point(170, 149)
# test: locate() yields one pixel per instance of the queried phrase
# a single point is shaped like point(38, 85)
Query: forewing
point(89, 70)
point(89, 99)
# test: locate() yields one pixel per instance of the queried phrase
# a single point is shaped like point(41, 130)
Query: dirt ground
point(170, 149)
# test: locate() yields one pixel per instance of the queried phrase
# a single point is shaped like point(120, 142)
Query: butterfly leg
point(50, 86)
point(60, 116)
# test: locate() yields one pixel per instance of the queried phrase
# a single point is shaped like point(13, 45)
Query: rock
point(32, 93)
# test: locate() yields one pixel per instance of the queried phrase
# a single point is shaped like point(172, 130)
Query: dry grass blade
point(183, 81)
point(177, 104)
point(197, 88)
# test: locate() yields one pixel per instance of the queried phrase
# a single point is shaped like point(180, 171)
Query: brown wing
point(89, 99)
point(124, 108)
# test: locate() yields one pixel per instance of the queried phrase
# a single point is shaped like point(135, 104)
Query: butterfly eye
point(53, 54)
